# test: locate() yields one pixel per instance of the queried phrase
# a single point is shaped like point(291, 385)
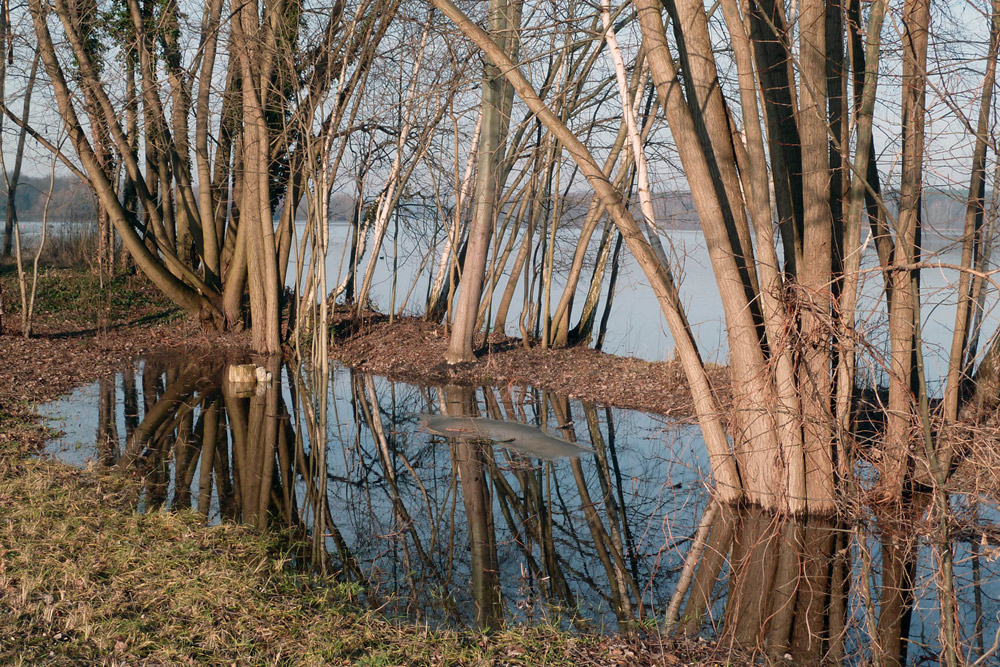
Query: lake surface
point(636, 326)
point(461, 532)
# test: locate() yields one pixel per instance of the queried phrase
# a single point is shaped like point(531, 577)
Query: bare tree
point(504, 19)
point(791, 325)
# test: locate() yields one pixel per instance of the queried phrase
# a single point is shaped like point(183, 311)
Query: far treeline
point(203, 130)
point(72, 199)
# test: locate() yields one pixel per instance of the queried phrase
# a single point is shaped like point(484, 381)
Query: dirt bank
point(413, 350)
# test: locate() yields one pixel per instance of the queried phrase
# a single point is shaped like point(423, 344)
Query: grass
point(77, 294)
point(84, 579)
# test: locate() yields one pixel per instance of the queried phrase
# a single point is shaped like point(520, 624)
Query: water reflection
point(461, 531)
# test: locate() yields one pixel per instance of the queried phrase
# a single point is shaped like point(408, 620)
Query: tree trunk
point(903, 309)
point(504, 23)
point(15, 175)
point(255, 210)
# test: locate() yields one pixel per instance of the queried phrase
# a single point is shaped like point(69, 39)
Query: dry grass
point(67, 246)
point(84, 579)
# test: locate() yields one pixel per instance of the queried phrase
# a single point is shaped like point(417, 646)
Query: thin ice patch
point(528, 440)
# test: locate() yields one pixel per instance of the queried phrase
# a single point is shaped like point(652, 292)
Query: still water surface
point(457, 532)
point(636, 326)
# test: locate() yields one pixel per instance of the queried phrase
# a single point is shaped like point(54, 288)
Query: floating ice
point(528, 440)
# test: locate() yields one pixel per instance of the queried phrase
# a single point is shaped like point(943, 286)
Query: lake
point(636, 326)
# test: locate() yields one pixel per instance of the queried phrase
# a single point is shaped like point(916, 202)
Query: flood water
point(460, 532)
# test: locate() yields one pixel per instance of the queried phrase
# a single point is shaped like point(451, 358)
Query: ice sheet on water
point(523, 438)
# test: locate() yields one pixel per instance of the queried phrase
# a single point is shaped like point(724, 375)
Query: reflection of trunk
point(284, 487)
point(720, 541)
point(224, 475)
point(236, 412)
point(162, 411)
point(534, 513)
point(896, 604)
point(530, 523)
point(470, 459)
point(609, 551)
point(107, 429)
point(257, 465)
point(130, 402)
point(187, 450)
point(899, 563)
point(373, 417)
point(209, 438)
point(698, 543)
point(614, 500)
point(755, 560)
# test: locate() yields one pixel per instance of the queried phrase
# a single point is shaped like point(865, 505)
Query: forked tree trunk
point(496, 96)
point(250, 36)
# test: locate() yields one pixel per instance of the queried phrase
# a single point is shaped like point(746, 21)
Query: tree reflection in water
point(456, 531)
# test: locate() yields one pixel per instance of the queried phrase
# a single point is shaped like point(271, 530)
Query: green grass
point(78, 294)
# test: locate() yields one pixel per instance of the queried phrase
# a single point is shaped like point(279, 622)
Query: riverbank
point(85, 579)
point(411, 349)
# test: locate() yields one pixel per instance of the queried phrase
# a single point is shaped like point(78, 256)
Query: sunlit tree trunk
point(253, 42)
point(709, 175)
point(504, 22)
point(207, 192)
point(816, 273)
point(903, 307)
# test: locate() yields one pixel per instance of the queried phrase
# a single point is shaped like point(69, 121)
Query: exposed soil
point(411, 349)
